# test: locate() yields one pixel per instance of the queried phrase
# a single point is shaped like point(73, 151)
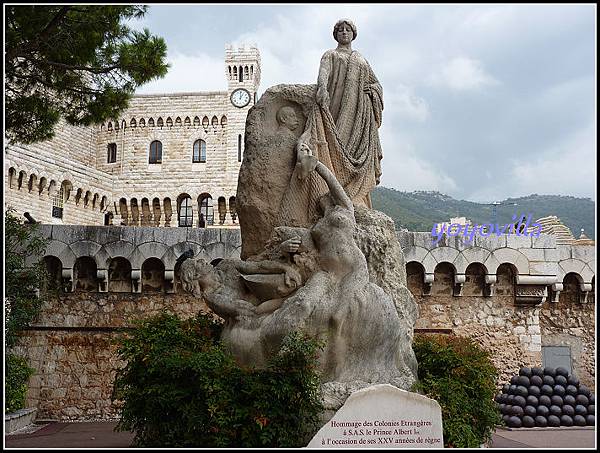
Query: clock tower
point(242, 71)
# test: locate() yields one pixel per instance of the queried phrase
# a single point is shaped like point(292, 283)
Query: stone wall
point(71, 344)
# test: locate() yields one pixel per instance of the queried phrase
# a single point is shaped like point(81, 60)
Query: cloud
point(462, 74)
point(402, 100)
point(189, 73)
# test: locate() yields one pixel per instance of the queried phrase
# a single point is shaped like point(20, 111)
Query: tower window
point(241, 74)
point(199, 154)
point(239, 147)
point(111, 153)
point(155, 156)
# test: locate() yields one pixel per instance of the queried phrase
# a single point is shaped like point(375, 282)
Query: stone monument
point(315, 256)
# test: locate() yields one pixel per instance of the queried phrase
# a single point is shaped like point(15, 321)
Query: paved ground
point(101, 435)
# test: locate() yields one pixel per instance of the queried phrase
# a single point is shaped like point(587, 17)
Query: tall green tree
point(78, 62)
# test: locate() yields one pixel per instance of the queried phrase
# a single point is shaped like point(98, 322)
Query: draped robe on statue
point(343, 136)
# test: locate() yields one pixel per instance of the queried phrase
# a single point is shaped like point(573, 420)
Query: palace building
point(169, 160)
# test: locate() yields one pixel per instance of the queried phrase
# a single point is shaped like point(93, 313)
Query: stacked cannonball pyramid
point(546, 397)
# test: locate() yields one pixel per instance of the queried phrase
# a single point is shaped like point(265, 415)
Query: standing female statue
point(351, 98)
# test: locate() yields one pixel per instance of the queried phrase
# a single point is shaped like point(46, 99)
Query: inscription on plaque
point(383, 416)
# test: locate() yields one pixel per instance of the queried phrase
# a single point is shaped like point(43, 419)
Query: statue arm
point(226, 307)
point(292, 276)
point(336, 190)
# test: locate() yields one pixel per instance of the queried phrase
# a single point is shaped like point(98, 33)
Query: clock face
point(240, 98)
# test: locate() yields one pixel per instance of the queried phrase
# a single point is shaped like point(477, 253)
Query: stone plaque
point(386, 417)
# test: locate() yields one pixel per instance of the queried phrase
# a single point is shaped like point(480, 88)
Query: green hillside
point(418, 211)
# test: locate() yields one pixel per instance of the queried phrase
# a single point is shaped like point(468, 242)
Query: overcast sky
point(481, 102)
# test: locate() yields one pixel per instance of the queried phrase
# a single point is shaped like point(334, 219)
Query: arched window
point(241, 74)
point(111, 153)
point(153, 276)
point(119, 275)
point(57, 203)
point(206, 208)
point(239, 147)
point(186, 213)
point(155, 156)
point(199, 154)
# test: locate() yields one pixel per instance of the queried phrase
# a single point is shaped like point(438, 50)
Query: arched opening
point(86, 199)
point(67, 187)
point(156, 211)
point(57, 203)
point(443, 280)
point(178, 121)
point(142, 122)
point(119, 275)
point(235, 72)
point(232, 209)
point(150, 122)
point(205, 206)
point(506, 279)
point(32, 182)
point(133, 122)
point(222, 207)
point(168, 211)
point(415, 276)
point(246, 73)
point(153, 276)
point(241, 74)
point(53, 280)
point(223, 121)
point(42, 185)
point(571, 292)
point(159, 122)
point(95, 200)
point(146, 214)
point(123, 211)
point(108, 219)
point(78, 196)
point(214, 122)
point(188, 122)
point(196, 121)
point(475, 280)
point(85, 274)
point(12, 176)
point(169, 122)
point(135, 212)
point(205, 122)
point(185, 213)
point(22, 179)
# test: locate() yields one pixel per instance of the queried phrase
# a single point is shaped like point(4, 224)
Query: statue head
point(196, 274)
point(338, 25)
point(286, 116)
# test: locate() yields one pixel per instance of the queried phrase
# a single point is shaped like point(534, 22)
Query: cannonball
point(505, 417)
point(545, 400)
point(515, 422)
point(510, 399)
point(512, 389)
point(572, 380)
point(513, 380)
point(540, 421)
point(565, 420)
point(543, 411)
point(549, 371)
point(534, 390)
point(571, 390)
point(553, 420)
point(523, 380)
point(579, 420)
point(570, 400)
point(503, 398)
point(532, 401)
point(530, 410)
point(498, 398)
point(555, 410)
point(507, 409)
point(556, 400)
point(583, 390)
point(517, 411)
point(561, 380)
point(519, 401)
point(568, 410)
point(525, 371)
point(581, 410)
point(536, 380)
point(583, 400)
point(500, 407)
point(561, 371)
point(559, 390)
point(592, 399)
point(521, 391)
point(505, 388)
point(537, 371)
point(591, 409)
point(548, 380)
point(529, 422)
point(547, 390)
point(591, 420)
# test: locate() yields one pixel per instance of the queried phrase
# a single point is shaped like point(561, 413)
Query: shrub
point(16, 377)
point(181, 388)
point(458, 374)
